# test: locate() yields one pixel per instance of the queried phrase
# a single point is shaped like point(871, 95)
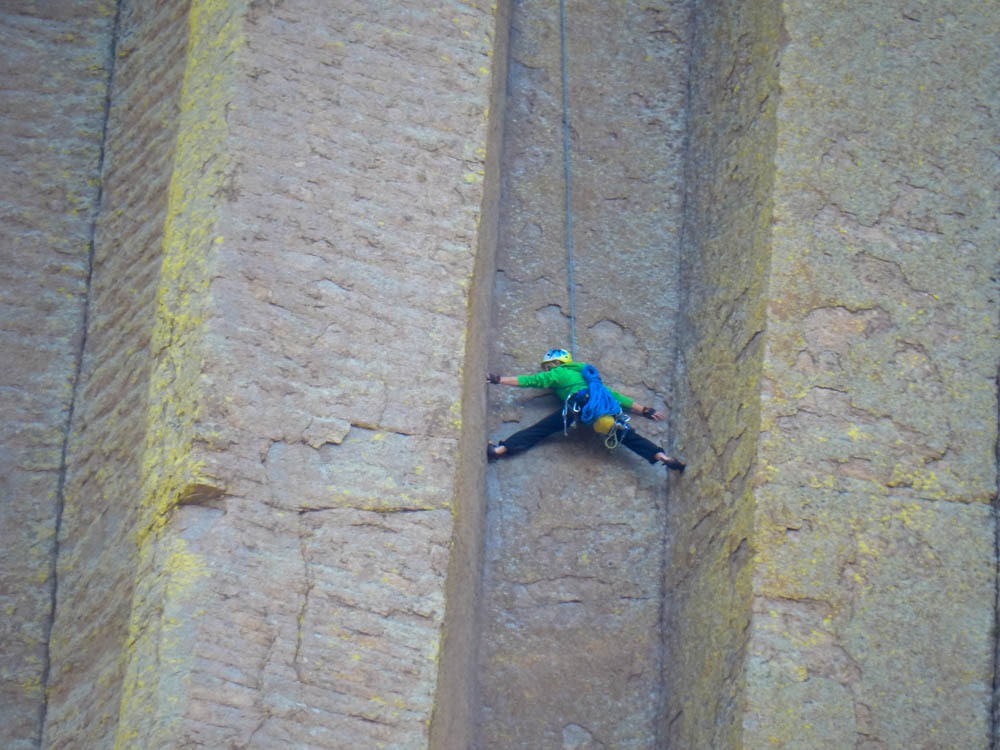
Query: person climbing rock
point(585, 399)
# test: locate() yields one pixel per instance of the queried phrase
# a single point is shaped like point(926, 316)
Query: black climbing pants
point(527, 438)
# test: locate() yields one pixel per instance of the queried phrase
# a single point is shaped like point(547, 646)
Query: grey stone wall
point(300, 472)
point(246, 317)
point(724, 276)
point(341, 301)
point(457, 706)
point(56, 65)
point(837, 214)
point(874, 571)
point(97, 573)
point(265, 472)
point(571, 653)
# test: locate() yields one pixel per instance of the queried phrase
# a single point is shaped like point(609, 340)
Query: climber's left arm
point(647, 411)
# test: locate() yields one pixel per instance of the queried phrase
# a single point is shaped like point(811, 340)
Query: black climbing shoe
point(675, 464)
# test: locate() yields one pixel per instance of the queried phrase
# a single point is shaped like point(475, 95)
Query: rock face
point(722, 337)
point(259, 256)
point(570, 653)
point(264, 488)
point(51, 137)
point(840, 373)
point(105, 457)
point(876, 456)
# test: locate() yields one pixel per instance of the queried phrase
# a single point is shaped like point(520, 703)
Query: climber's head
point(554, 358)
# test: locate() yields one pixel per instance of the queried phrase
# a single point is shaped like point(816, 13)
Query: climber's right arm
point(502, 379)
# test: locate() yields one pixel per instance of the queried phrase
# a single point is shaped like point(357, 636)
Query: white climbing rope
point(566, 179)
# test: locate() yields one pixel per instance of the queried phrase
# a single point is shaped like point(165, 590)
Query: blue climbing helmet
point(556, 355)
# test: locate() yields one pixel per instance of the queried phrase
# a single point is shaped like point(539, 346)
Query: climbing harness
point(600, 409)
point(571, 408)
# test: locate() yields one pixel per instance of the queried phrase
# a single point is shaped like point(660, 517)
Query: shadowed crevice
point(995, 695)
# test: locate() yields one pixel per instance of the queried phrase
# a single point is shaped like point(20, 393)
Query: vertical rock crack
point(77, 367)
point(995, 694)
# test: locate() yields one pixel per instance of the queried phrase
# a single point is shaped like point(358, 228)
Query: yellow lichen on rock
point(167, 571)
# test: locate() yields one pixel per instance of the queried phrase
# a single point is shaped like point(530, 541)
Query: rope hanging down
point(566, 178)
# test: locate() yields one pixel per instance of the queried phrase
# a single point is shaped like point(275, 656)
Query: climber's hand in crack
point(648, 412)
point(501, 379)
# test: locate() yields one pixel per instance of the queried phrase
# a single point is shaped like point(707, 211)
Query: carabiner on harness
point(617, 432)
point(571, 408)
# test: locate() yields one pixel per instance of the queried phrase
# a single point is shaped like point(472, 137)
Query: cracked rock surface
point(570, 649)
point(265, 477)
point(50, 137)
point(878, 430)
point(840, 360)
point(244, 317)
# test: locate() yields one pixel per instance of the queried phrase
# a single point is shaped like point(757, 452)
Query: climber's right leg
point(527, 438)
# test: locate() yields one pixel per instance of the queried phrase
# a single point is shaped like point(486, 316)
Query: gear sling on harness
point(592, 405)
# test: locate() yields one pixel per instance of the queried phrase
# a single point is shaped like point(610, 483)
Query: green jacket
point(564, 380)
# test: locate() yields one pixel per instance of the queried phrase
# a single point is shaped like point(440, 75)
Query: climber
point(577, 384)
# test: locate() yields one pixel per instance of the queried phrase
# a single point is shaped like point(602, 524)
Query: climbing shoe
point(675, 464)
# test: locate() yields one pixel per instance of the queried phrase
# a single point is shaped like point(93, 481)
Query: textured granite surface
point(571, 654)
point(56, 63)
point(874, 570)
point(246, 310)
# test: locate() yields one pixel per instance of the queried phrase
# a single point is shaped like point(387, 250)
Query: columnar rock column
point(97, 558)
point(284, 516)
point(875, 570)
point(724, 277)
point(56, 62)
point(244, 324)
point(849, 425)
